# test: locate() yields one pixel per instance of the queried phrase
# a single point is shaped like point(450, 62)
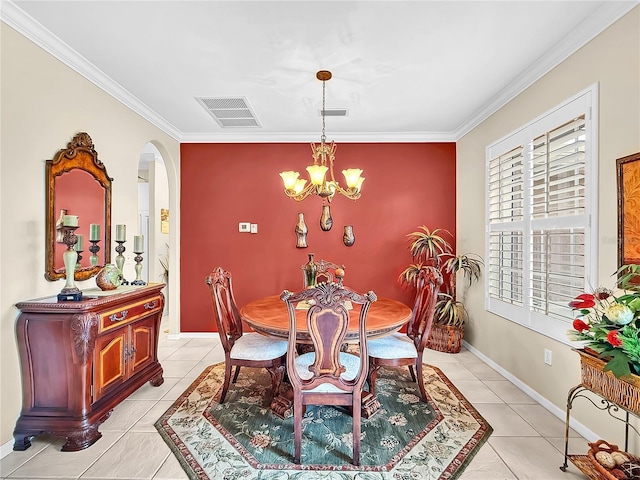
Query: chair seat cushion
point(397, 345)
point(350, 362)
point(253, 346)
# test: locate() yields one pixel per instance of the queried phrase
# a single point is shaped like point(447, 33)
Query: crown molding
point(383, 137)
point(24, 24)
point(590, 28)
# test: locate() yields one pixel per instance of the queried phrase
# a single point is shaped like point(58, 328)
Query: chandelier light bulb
point(316, 173)
point(289, 179)
point(352, 175)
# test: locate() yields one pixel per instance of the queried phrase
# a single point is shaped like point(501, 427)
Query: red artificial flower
point(612, 338)
point(586, 300)
point(579, 325)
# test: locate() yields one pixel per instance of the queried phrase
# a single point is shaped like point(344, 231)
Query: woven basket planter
point(445, 338)
point(623, 391)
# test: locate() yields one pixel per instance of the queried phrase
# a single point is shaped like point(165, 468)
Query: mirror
point(78, 185)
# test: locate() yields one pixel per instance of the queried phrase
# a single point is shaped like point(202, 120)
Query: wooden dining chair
point(327, 376)
point(406, 349)
point(325, 272)
point(242, 349)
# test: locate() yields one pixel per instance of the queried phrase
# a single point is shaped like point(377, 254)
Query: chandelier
point(323, 155)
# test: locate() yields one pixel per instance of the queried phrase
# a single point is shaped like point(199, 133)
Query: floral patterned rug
point(242, 439)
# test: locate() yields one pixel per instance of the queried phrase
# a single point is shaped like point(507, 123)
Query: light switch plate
point(244, 227)
point(254, 228)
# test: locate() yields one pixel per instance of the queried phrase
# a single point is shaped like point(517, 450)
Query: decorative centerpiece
point(109, 278)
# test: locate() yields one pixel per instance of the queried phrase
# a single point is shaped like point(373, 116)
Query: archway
point(154, 219)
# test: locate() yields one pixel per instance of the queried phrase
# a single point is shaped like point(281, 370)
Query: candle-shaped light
point(94, 232)
point(70, 220)
point(121, 233)
point(78, 245)
point(138, 243)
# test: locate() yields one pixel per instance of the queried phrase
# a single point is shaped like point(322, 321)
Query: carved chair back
point(225, 309)
point(325, 271)
point(427, 287)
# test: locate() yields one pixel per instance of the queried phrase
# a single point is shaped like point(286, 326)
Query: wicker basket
point(445, 338)
point(603, 446)
point(621, 391)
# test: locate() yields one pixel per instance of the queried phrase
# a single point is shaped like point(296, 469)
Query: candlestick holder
point(78, 266)
point(94, 249)
point(138, 267)
point(120, 260)
point(70, 293)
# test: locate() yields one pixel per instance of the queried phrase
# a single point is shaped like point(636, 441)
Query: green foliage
point(609, 323)
point(433, 248)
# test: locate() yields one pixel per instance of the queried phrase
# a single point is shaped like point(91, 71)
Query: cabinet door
point(110, 369)
point(143, 339)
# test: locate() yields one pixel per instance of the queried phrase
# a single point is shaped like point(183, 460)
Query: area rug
point(242, 439)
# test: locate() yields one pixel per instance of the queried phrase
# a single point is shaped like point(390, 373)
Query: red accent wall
point(407, 185)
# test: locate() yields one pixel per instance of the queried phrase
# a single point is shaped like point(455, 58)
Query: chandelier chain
point(323, 137)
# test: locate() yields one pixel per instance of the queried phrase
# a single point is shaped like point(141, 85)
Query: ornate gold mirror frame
point(78, 185)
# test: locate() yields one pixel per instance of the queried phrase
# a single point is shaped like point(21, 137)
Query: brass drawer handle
point(115, 318)
point(151, 305)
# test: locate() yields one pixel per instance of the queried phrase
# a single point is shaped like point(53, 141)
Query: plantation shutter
point(557, 192)
point(506, 210)
point(541, 227)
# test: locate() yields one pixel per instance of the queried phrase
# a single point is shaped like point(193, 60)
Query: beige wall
point(613, 61)
point(44, 104)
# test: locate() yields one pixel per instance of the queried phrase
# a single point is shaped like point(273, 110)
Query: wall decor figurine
point(348, 238)
point(301, 232)
point(326, 222)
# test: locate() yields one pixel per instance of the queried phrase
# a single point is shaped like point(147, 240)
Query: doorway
point(154, 217)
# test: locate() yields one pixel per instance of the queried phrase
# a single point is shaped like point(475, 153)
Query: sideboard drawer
point(129, 313)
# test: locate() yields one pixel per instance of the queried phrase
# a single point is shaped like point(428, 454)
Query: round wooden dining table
point(269, 316)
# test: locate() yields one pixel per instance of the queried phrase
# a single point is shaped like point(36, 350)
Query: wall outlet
point(244, 227)
point(254, 228)
point(547, 356)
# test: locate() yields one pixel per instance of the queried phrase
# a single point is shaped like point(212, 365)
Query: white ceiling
point(404, 70)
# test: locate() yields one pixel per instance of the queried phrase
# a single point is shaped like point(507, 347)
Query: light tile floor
point(527, 441)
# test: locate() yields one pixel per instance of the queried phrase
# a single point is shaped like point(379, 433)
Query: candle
point(121, 233)
point(70, 220)
point(138, 243)
point(78, 245)
point(94, 232)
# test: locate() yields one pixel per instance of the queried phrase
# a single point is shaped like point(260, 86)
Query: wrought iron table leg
point(572, 393)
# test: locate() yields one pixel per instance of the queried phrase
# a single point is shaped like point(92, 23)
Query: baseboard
point(551, 407)
point(183, 335)
point(6, 449)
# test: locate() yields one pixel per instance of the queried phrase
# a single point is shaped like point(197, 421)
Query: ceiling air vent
point(334, 112)
point(229, 112)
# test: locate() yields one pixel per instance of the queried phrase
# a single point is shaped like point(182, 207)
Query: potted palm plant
point(432, 247)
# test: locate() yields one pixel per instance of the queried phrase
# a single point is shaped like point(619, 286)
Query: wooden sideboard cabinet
point(80, 359)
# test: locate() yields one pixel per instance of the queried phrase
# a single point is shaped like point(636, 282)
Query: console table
point(80, 359)
point(615, 395)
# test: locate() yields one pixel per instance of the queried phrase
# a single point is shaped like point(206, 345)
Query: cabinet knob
point(115, 318)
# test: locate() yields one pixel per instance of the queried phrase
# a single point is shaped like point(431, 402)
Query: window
point(541, 220)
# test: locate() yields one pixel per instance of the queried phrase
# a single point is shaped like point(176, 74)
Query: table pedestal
point(282, 404)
